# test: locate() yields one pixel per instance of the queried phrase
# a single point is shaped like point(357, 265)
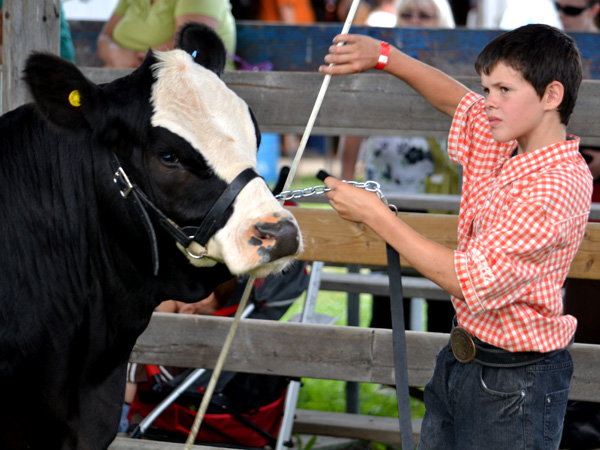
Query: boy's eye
point(504, 90)
point(485, 91)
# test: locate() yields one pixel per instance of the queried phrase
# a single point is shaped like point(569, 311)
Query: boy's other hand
point(350, 202)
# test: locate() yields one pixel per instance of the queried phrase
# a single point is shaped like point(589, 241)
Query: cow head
point(182, 137)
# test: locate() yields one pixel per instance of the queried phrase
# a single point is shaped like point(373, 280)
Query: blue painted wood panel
point(302, 48)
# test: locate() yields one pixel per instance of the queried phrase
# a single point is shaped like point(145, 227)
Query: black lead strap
point(398, 339)
point(399, 344)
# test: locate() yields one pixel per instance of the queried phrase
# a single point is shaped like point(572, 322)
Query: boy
point(503, 381)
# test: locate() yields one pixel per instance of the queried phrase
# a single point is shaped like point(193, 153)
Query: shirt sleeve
point(462, 130)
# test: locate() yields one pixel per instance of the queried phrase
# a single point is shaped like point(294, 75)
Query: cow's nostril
point(279, 238)
point(263, 236)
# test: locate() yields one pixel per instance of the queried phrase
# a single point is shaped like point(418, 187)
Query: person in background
point(362, 12)
point(67, 51)
point(405, 164)
point(287, 11)
point(245, 9)
point(325, 10)
point(271, 296)
point(138, 25)
point(384, 14)
point(582, 420)
point(510, 14)
point(519, 13)
point(579, 15)
point(211, 304)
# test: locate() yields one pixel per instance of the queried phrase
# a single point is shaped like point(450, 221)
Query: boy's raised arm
point(359, 53)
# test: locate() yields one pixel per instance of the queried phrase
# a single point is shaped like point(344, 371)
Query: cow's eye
point(169, 158)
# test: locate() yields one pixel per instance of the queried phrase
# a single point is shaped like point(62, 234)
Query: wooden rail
point(283, 101)
point(315, 351)
point(124, 443)
point(333, 240)
point(379, 284)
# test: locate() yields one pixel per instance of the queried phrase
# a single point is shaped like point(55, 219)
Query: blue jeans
point(475, 407)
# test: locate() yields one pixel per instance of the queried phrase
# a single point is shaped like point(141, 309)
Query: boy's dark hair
point(542, 54)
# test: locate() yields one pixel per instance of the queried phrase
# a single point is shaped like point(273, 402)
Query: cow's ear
point(60, 91)
point(205, 45)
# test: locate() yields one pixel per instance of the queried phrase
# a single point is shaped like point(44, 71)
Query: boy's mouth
point(494, 121)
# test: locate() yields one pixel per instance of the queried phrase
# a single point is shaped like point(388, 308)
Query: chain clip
point(371, 186)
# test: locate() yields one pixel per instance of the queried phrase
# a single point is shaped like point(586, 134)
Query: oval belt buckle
point(463, 347)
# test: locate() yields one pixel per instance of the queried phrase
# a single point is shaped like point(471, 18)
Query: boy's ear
point(553, 97)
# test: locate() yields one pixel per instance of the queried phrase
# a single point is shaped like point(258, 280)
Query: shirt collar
point(520, 166)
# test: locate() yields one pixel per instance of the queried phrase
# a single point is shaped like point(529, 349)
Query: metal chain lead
point(371, 186)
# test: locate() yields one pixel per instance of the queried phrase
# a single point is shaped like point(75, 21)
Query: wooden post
point(27, 25)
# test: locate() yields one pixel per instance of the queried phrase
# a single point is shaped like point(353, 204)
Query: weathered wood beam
point(124, 443)
point(379, 284)
point(28, 25)
point(361, 104)
point(370, 104)
point(314, 351)
point(330, 239)
point(426, 202)
point(352, 426)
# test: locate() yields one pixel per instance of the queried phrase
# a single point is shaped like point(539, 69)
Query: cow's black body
point(76, 279)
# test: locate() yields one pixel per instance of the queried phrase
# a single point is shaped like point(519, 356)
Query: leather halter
point(186, 235)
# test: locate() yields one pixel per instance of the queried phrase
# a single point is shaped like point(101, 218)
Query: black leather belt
point(466, 348)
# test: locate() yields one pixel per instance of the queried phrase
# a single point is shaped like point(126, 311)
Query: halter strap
point(207, 228)
point(184, 236)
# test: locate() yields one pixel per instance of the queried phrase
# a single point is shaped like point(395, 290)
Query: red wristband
point(384, 55)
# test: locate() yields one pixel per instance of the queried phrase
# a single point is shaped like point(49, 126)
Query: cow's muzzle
point(276, 239)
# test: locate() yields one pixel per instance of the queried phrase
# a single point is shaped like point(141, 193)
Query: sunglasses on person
point(417, 15)
point(570, 10)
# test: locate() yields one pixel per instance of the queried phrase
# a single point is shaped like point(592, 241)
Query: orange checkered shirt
point(521, 221)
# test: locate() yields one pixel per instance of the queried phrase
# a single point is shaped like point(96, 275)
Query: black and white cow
point(100, 189)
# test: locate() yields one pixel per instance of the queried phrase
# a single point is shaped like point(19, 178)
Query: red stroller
point(246, 409)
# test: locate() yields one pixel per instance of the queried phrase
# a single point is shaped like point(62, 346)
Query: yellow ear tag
point(75, 99)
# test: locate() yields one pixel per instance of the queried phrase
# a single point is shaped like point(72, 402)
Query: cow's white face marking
point(195, 103)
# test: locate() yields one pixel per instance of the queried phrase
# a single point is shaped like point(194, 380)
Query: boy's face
point(513, 107)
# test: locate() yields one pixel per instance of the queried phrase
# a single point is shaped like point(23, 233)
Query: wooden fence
point(334, 352)
point(282, 102)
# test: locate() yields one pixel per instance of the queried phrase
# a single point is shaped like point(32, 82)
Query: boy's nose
point(490, 101)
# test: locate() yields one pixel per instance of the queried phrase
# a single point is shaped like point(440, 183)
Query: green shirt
point(67, 50)
point(145, 25)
